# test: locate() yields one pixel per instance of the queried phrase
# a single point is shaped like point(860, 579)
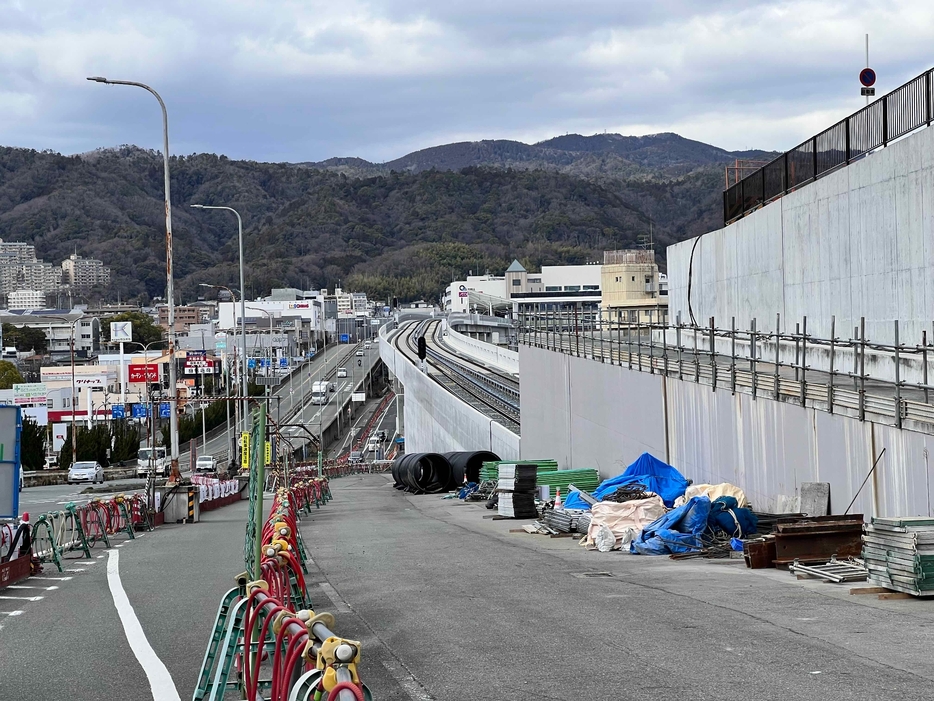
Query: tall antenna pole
point(867, 62)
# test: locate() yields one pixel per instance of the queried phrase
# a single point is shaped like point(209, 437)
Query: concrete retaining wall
point(585, 413)
point(495, 356)
point(437, 421)
point(858, 242)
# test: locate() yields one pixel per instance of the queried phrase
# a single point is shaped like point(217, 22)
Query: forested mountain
point(401, 231)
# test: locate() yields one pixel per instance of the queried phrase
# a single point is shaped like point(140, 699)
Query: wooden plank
point(869, 590)
point(895, 595)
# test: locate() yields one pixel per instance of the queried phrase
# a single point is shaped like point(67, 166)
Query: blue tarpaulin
point(653, 474)
point(678, 531)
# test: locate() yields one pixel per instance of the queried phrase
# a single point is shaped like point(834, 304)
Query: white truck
point(319, 393)
point(152, 460)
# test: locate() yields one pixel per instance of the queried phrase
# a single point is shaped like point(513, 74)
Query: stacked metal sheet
point(490, 470)
point(559, 520)
point(583, 522)
point(586, 480)
point(899, 554)
point(516, 489)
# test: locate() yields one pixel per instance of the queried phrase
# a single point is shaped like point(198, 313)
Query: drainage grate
point(589, 575)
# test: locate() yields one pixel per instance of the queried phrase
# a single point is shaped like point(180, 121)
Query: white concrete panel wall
point(495, 356)
point(590, 414)
point(438, 422)
point(587, 414)
point(858, 242)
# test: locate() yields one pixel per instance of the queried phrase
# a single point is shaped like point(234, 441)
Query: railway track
point(490, 396)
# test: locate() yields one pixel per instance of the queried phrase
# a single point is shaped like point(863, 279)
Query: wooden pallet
point(883, 593)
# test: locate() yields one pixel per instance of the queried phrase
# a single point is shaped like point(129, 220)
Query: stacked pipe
point(430, 473)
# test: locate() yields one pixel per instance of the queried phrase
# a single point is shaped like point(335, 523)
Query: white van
point(341, 372)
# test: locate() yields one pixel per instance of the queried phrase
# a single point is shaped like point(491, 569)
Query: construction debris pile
point(899, 554)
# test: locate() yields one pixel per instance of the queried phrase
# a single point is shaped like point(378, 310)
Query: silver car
point(86, 471)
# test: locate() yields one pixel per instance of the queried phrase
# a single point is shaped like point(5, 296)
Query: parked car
point(206, 463)
point(86, 471)
point(341, 372)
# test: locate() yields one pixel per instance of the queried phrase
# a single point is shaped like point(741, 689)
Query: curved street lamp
point(170, 279)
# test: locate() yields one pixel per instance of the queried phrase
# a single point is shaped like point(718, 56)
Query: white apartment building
point(84, 273)
point(27, 299)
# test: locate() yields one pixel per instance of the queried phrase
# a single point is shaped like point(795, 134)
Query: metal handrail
point(905, 109)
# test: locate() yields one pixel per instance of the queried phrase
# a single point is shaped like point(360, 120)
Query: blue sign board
point(118, 411)
point(11, 428)
point(165, 410)
point(139, 411)
point(311, 354)
point(283, 362)
point(345, 338)
point(867, 77)
point(251, 363)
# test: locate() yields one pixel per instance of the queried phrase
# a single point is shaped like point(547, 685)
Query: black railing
point(901, 111)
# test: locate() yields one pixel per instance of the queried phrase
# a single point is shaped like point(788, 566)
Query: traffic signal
point(422, 348)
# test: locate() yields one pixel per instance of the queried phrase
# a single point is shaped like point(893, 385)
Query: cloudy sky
point(299, 80)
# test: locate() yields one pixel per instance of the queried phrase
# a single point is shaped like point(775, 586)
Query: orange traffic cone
point(558, 498)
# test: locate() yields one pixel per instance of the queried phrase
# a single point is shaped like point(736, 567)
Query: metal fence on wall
point(901, 111)
point(847, 374)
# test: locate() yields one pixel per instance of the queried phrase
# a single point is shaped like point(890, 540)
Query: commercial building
point(185, 316)
point(57, 325)
point(632, 288)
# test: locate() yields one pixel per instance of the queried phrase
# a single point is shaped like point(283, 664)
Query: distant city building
point(185, 316)
point(633, 289)
point(27, 299)
point(57, 324)
point(83, 274)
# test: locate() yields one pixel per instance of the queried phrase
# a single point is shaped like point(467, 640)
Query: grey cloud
point(309, 80)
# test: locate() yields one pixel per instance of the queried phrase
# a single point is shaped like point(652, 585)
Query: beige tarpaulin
point(712, 491)
point(626, 520)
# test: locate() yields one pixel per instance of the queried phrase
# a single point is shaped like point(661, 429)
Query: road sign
point(358, 397)
point(267, 453)
point(868, 92)
point(11, 427)
point(271, 381)
point(345, 338)
point(283, 362)
point(251, 363)
point(30, 393)
point(867, 78)
point(165, 410)
point(139, 411)
point(121, 331)
point(143, 372)
point(118, 411)
point(245, 450)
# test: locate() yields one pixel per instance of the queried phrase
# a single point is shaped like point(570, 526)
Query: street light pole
point(169, 273)
point(244, 402)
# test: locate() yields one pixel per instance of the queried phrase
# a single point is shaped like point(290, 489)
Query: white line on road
point(160, 680)
point(335, 598)
point(75, 570)
point(410, 685)
point(12, 613)
point(52, 579)
point(22, 598)
point(26, 586)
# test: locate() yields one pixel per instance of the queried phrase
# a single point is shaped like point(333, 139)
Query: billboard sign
point(30, 393)
point(121, 331)
point(358, 397)
point(143, 372)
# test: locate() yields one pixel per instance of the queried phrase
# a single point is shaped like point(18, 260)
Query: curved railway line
point(494, 394)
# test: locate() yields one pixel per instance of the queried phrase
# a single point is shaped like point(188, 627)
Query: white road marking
point(22, 598)
point(25, 586)
point(160, 680)
point(75, 570)
point(335, 598)
point(410, 685)
point(12, 613)
point(100, 557)
point(120, 545)
point(52, 579)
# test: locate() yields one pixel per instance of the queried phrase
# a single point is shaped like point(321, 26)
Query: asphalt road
point(38, 500)
point(450, 605)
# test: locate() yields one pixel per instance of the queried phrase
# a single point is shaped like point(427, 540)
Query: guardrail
point(905, 109)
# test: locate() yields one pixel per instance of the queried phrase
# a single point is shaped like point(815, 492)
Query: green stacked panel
point(899, 554)
point(586, 480)
point(490, 470)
